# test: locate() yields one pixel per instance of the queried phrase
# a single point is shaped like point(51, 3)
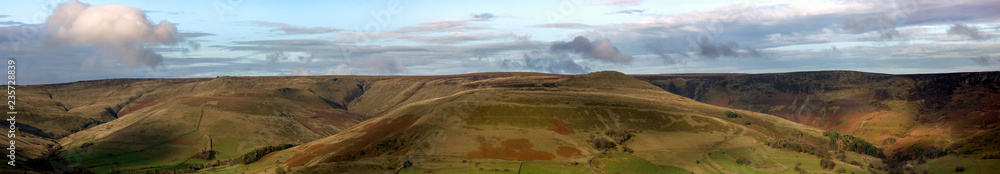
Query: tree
point(732, 114)
point(827, 163)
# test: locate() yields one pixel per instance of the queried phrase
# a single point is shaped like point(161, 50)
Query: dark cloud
point(986, 60)
point(634, 11)
point(564, 25)
point(710, 50)
point(483, 16)
point(669, 57)
point(599, 49)
point(969, 32)
point(10, 23)
point(273, 59)
point(881, 23)
point(287, 42)
point(193, 35)
point(288, 29)
point(558, 65)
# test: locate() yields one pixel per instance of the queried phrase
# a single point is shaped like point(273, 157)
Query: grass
point(972, 164)
point(620, 162)
point(462, 165)
point(549, 166)
point(229, 148)
point(728, 163)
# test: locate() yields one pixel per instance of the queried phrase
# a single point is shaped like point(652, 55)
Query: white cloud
point(341, 69)
point(121, 33)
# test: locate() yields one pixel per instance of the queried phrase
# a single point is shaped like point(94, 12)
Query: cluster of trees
point(204, 154)
point(826, 163)
point(732, 114)
point(743, 161)
point(618, 135)
point(601, 143)
point(852, 143)
point(797, 146)
point(249, 157)
point(991, 155)
point(256, 154)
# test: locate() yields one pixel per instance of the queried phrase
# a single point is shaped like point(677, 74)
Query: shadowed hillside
point(911, 116)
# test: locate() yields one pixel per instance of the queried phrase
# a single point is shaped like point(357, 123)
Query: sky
point(57, 41)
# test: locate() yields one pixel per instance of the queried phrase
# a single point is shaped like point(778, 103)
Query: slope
point(598, 122)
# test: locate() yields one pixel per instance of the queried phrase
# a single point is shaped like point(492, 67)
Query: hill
point(599, 122)
point(603, 122)
point(907, 115)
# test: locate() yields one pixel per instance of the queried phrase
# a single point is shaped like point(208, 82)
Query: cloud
point(546, 63)
point(881, 23)
point(555, 65)
point(193, 35)
point(710, 50)
point(288, 29)
point(287, 42)
point(969, 32)
point(300, 71)
point(385, 65)
point(667, 56)
point(341, 69)
point(460, 37)
point(628, 11)
point(564, 25)
point(3, 16)
point(599, 49)
point(121, 33)
point(10, 23)
point(449, 25)
point(273, 59)
point(483, 16)
point(986, 60)
point(620, 2)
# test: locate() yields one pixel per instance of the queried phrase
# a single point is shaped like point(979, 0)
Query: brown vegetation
point(512, 149)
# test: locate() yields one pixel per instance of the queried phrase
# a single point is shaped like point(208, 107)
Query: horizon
point(405, 75)
point(68, 41)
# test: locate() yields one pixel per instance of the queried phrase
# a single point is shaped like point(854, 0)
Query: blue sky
point(67, 41)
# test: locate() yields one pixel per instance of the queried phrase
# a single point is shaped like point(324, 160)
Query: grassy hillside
point(904, 114)
point(551, 122)
point(604, 122)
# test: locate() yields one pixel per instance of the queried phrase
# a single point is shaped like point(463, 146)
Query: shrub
point(991, 155)
point(746, 123)
point(256, 154)
point(204, 154)
point(620, 136)
point(87, 144)
point(601, 143)
point(743, 161)
point(841, 170)
point(827, 163)
point(732, 114)
point(959, 169)
point(798, 167)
